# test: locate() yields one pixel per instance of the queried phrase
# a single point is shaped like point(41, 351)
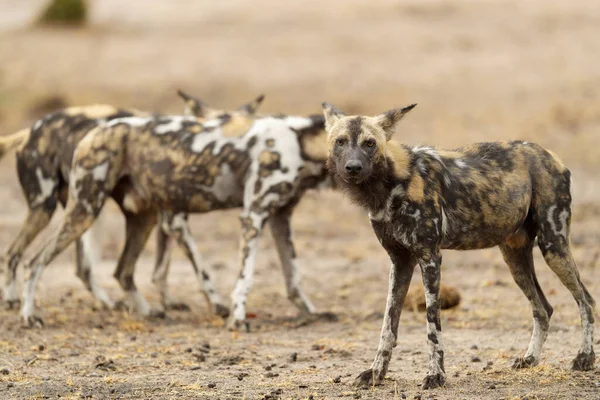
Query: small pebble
point(271, 375)
point(417, 396)
point(41, 347)
point(268, 368)
point(293, 357)
point(212, 385)
point(337, 379)
point(492, 386)
point(5, 371)
point(316, 347)
point(475, 359)
point(403, 396)
point(474, 347)
point(154, 355)
point(10, 384)
point(188, 350)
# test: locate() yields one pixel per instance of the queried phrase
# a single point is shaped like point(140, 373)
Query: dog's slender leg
point(252, 225)
point(76, 221)
point(520, 263)
point(83, 257)
point(36, 220)
point(558, 257)
point(138, 229)
point(164, 247)
point(431, 273)
point(401, 272)
point(179, 228)
point(282, 234)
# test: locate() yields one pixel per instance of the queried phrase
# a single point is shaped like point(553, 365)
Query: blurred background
point(480, 70)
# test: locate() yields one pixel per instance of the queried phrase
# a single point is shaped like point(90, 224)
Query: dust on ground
point(480, 70)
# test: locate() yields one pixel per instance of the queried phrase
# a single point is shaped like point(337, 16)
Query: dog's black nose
point(353, 167)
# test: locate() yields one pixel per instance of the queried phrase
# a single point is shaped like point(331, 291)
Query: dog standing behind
point(177, 166)
point(421, 200)
point(44, 162)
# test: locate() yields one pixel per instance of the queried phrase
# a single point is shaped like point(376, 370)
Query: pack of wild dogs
point(420, 200)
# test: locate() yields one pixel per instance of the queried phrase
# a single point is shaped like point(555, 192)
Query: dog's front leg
point(401, 273)
point(431, 262)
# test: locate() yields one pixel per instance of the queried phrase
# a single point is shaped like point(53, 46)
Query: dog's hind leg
point(138, 229)
point(164, 247)
point(554, 220)
point(177, 225)
point(519, 257)
point(558, 256)
point(282, 235)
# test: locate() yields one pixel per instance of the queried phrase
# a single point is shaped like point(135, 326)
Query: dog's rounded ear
point(388, 120)
point(193, 106)
point(250, 108)
point(332, 115)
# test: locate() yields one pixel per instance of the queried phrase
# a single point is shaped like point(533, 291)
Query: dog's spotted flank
point(421, 200)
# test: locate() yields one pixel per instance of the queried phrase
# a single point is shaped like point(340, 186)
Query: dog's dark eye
point(340, 142)
point(370, 143)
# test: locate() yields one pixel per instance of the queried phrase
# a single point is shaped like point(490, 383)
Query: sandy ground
point(480, 70)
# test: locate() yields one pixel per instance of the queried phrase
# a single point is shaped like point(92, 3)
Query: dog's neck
point(394, 168)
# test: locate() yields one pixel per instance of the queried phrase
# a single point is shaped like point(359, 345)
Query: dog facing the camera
point(421, 200)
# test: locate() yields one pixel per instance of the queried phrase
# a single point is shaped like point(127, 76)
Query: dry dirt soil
point(480, 70)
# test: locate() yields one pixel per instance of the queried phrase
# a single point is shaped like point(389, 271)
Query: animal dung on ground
point(415, 299)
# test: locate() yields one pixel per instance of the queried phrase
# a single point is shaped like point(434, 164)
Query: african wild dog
point(43, 165)
point(177, 166)
point(421, 200)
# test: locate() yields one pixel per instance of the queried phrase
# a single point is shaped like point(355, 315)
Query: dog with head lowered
point(422, 200)
point(175, 166)
point(44, 157)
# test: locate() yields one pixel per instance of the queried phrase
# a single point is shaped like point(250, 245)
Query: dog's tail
point(7, 143)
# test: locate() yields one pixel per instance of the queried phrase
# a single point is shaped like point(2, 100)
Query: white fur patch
point(37, 124)
point(203, 139)
point(100, 171)
point(460, 163)
point(46, 185)
point(562, 217)
point(444, 223)
point(131, 121)
point(174, 124)
point(298, 122)
point(213, 123)
point(430, 151)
